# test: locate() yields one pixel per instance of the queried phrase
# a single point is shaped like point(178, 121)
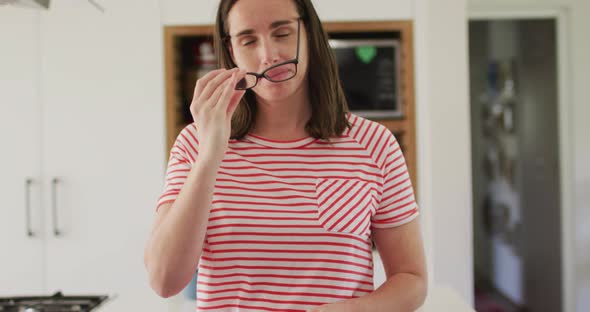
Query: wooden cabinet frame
point(406, 124)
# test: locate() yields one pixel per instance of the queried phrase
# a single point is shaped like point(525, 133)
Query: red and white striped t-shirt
point(290, 222)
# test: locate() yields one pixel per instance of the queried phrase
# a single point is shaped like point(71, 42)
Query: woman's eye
point(248, 42)
point(282, 35)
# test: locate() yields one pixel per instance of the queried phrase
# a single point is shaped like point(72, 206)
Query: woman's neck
point(283, 120)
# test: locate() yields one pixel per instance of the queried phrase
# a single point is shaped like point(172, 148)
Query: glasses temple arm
point(298, 36)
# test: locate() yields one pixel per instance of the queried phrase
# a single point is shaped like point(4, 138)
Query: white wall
point(444, 143)
point(580, 153)
point(444, 167)
point(188, 12)
point(575, 146)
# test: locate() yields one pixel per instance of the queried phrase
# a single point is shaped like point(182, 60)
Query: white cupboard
point(21, 232)
point(81, 116)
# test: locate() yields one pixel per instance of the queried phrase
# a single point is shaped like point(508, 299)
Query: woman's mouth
point(279, 74)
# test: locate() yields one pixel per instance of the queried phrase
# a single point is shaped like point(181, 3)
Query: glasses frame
point(264, 73)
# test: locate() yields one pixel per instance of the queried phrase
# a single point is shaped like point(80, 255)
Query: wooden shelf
point(177, 101)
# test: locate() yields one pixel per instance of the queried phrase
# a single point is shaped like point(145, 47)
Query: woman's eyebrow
point(273, 25)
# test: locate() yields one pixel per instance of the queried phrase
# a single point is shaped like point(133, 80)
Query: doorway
point(516, 167)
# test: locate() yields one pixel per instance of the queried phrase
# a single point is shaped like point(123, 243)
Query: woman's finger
point(214, 83)
point(220, 92)
point(228, 93)
point(235, 101)
point(201, 83)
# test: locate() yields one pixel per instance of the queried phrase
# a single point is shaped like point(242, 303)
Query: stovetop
point(56, 303)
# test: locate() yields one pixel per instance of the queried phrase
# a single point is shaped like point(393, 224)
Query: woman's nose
point(269, 53)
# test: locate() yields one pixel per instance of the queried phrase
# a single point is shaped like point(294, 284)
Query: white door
point(103, 140)
point(21, 235)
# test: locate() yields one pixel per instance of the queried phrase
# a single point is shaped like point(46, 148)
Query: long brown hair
point(328, 104)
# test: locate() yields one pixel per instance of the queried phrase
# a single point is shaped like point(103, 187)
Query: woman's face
point(264, 33)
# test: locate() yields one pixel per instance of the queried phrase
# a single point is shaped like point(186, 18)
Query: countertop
point(440, 299)
point(445, 299)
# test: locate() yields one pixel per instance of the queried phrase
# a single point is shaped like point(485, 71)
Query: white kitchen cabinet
point(21, 263)
point(81, 114)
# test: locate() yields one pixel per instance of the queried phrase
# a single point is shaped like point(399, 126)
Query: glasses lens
point(249, 81)
point(281, 73)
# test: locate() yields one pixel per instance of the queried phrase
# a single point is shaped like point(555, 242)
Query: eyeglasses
point(276, 73)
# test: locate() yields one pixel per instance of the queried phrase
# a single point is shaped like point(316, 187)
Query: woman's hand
point(214, 102)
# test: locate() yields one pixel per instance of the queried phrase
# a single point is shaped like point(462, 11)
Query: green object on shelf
point(366, 53)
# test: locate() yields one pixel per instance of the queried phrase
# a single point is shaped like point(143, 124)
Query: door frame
point(561, 15)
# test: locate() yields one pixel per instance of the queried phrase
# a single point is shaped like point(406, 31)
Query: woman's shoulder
point(188, 136)
point(188, 130)
point(363, 128)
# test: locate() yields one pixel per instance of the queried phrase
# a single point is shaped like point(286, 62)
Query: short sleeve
point(182, 157)
point(398, 204)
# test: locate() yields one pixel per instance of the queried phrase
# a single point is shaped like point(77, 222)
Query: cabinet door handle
point(54, 183)
point(28, 183)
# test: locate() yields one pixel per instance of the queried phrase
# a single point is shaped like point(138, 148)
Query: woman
point(276, 192)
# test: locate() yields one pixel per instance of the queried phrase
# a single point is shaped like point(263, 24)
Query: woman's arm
point(173, 250)
point(402, 253)
point(172, 253)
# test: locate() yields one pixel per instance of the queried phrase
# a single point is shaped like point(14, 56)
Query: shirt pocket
point(345, 205)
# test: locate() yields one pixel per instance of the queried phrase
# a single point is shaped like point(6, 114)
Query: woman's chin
point(274, 91)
